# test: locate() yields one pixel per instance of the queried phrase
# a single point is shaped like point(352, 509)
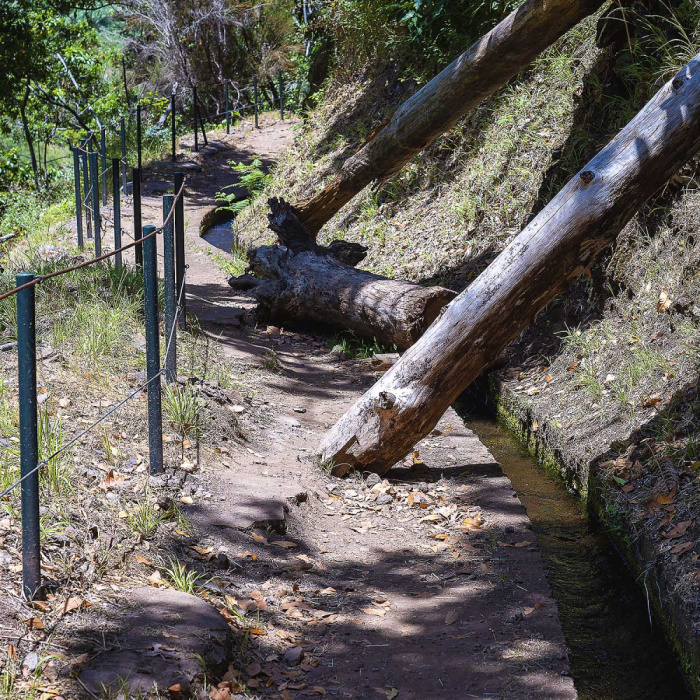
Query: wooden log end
point(348, 253)
point(284, 221)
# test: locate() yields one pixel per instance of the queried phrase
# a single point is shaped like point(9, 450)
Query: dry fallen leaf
point(155, 579)
point(35, 623)
point(374, 611)
point(111, 480)
point(664, 302)
point(260, 539)
point(677, 531)
point(682, 548)
point(451, 617)
point(392, 693)
point(285, 544)
point(71, 604)
point(472, 523)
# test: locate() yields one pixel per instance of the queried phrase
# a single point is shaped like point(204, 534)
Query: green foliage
point(144, 518)
point(183, 410)
point(359, 348)
point(14, 170)
point(55, 474)
point(253, 177)
point(425, 35)
point(183, 579)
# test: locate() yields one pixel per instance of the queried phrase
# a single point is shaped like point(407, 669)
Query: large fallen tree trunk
point(303, 280)
point(319, 288)
point(487, 65)
point(582, 220)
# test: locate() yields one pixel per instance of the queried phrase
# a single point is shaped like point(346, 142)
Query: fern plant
point(252, 177)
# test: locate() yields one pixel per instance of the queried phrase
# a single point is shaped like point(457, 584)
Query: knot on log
point(587, 176)
point(385, 401)
point(677, 83)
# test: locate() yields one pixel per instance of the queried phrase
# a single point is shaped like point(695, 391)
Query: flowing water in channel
point(614, 653)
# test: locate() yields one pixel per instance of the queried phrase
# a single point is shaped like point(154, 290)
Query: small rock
point(384, 499)
point(517, 616)
point(299, 410)
point(331, 487)
point(31, 661)
point(508, 529)
point(372, 480)
point(293, 656)
point(350, 493)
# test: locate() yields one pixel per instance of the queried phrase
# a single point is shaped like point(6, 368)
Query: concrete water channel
point(616, 651)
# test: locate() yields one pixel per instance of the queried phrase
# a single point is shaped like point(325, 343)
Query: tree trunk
point(554, 249)
point(28, 135)
point(317, 287)
point(305, 281)
point(487, 65)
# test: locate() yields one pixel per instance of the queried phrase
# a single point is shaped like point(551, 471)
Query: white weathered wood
point(555, 248)
point(493, 60)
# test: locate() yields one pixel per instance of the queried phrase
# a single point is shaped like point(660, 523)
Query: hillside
point(603, 386)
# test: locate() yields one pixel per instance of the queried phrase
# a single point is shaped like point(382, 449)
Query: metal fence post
point(122, 136)
point(138, 136)
point(86, 191)
point(103, 160)
point(281, 96)
point(155, 416)
point(78, 200)
point(180, 248)
point(196, 119)
point(117, 207)
point(204, 131)
point(95, 192)
point(255, 99)
point(29, 447)
point(228, 115)
point(136, 192)
point(170, 292)
point(173, 127)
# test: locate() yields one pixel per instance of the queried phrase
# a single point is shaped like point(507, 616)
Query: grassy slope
point(609, 371)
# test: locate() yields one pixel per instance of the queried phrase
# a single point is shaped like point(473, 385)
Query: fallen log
point(554, 249)
point(314, 287)
point(480, 71)
point(303, 280)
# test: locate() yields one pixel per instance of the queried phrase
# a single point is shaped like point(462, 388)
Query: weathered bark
point(487, 65)
point(303, 280)
point(582, 220)
point(315, 287)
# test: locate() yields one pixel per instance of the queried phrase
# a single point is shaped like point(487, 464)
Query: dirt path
point(428, 584)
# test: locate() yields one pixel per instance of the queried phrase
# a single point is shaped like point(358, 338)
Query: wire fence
point(91, 172)
point(175, 280)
